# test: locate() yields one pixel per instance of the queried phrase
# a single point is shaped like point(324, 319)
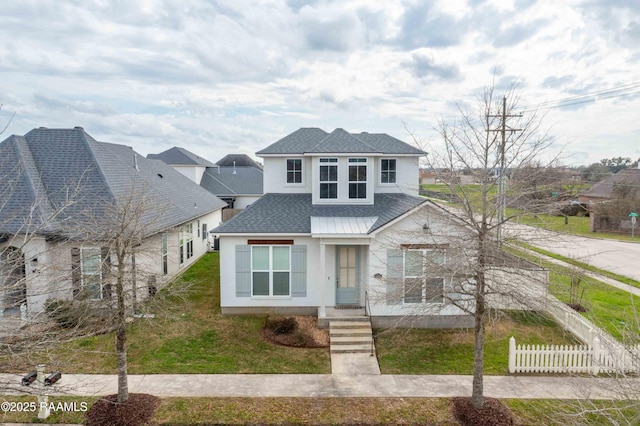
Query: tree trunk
point(121, 349)
point(477, 393)
point(121, 331)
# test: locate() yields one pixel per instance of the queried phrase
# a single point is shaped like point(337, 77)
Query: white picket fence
point(593, 359)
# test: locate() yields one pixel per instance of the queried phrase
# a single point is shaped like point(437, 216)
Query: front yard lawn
point(428, 351)
point(198, 339)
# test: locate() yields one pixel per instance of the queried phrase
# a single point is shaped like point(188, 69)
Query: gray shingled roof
point(314, 140)
point(177, 156)
point(290, 213)
point(240, 160)
point(47, 169)
point(604, 188)
point(223, 181)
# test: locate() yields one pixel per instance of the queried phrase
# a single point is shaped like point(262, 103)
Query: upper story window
point(357, 178)
point(294, 170)
point(328, 178)
point(388, 170)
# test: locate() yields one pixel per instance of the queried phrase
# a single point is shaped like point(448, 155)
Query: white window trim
point(99, 274)
point(423, 277)
point(352, 162)
point(380, 182)
point(332, 161)
point(286, 172)
point(189, 242)
point(164, 252)
point(270, 271)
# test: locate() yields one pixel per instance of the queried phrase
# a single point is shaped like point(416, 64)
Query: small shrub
point(300, 339)
point(68, 313)
point(282, 325)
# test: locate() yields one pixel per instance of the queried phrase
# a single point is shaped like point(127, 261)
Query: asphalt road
point(616, 256)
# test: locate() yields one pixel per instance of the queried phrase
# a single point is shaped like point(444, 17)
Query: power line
point(627, 90)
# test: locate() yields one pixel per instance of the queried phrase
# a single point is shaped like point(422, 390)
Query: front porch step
point(348, 340)
point(360, 323)
point(351, 349)
point(350, 336)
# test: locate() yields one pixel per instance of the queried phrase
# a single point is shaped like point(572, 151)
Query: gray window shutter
point(395, 276)
point(76, 273)
point(243, 271)
point(298, 271)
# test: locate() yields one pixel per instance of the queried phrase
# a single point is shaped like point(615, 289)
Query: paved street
point(616, 256)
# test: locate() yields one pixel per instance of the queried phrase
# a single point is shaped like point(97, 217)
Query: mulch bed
point(492, 413)
point(577, 307)
point(138, 410)
point(306, 335)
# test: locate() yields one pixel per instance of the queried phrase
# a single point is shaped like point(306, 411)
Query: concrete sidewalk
point(327, 385)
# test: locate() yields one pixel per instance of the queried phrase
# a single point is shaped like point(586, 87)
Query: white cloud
point(237, 75)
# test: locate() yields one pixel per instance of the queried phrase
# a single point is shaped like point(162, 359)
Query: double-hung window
point(294, 170)
point(270, 270)
point(357, 178)
point(189, 240)
point(165, 254)
point(91, 271)
point(328, 178)
point(388, 170)
point(424, 276)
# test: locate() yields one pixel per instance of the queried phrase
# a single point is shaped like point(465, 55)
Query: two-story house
point(340, 225)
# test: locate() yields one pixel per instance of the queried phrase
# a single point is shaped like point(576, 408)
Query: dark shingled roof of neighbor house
point(177, 156)
point(314, 140)
point(233, 180)
point(290, 213)
point(50, 168)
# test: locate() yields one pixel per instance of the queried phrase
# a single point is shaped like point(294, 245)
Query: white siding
point(228, 297)
point(407, 176)
point(275, 175)
point(409, 231)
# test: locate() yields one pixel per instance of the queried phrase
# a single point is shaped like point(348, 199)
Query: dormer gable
point(340, 167)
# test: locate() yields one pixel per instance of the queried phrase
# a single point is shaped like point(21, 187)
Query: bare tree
point(471, 143)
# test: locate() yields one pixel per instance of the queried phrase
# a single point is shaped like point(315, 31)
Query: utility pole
point(502, 203)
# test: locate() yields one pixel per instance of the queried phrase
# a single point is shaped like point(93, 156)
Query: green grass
point(342, 411)
point(196, 338)
point(446, 351)
point(608, 307)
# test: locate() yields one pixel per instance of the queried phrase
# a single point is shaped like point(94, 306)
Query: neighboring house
point(622, 185)
point(60, 187)
point(341, 225)
point(611, 200)
point(186, 162)
point(236, 178)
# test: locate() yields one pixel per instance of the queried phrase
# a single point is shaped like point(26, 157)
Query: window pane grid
point(420, 284)
point(388, 171)
point(328, 178)
point(294, 170)
point(271, 270)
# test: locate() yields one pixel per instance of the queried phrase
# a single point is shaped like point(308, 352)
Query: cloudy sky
point(230, 76)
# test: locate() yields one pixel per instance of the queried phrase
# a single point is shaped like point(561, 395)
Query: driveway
point(616, 256)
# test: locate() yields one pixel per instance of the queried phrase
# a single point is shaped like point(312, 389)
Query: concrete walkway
point(335, 385)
